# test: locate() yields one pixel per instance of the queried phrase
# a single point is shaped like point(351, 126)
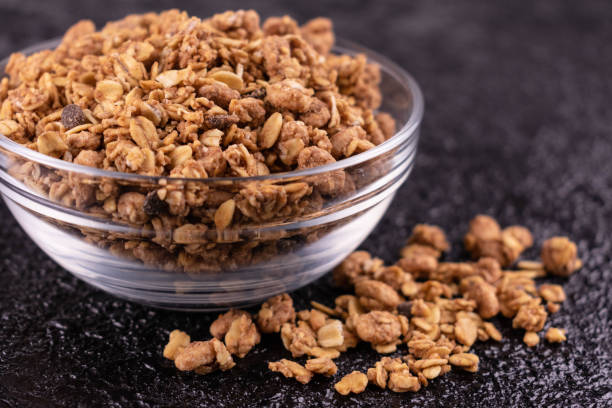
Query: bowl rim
point(405, 133)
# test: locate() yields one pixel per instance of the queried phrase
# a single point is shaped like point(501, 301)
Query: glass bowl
point(300, 224)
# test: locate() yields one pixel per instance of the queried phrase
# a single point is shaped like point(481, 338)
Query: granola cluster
point(181, 97)
point(169, 94)
point(427, 312)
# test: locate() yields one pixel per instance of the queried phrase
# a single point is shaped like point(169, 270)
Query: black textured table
point(517, 125)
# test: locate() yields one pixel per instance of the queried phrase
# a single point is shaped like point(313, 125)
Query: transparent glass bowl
point(199, 268)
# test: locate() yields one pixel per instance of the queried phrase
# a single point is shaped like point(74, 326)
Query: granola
point(434, 325)
point(182, 97)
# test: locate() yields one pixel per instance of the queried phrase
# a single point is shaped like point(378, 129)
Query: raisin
point(405, 308)
point(153, 205)
point(258, 93)
point(73, 116)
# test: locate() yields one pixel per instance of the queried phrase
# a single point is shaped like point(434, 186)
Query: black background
point(517, 125)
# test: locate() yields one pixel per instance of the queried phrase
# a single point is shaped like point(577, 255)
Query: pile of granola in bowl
point(203, 163)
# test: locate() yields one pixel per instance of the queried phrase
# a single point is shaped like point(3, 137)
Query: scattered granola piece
point(354, 382)
point(378, 327)
point(531, 339)
point(531, 317)
point(178, 341)
point(204, 357)
point(552, 293)
point(466, 331)
point(291, 369)
point(429, 235)
point(485, 238)
point(466, 361)
point(221, 325)
point(555, 335)
point(299, 340)
point(331, 334)
point(322, 365)
point(474, 287)
point(242, 336)
point(275, 312)
point(375, 295)
point(357, 265)
point(559, 256)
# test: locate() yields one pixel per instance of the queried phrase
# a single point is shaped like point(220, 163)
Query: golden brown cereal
point(221, 325)
point(429, 235)
point(275, 312)
point(378, 327)
point(531, 339)
point(375, 295)
point(242, 336)
point(178, 341)
point(291, 369)
point(322, 365)
point(204, 357)
point(555, 335)
point(355, 383)
point(559, 256)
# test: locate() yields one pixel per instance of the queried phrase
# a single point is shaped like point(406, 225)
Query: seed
point(228, 78)
point(270, 130)
point(224, 214)
point(153, 205)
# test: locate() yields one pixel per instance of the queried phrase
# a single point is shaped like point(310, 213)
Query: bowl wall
point(299, 224)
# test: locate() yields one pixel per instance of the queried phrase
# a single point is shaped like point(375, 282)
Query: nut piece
point(178, 341)
point(270, 130)
point(354, 382)
point(291, 369)
point(322, 365)
point(429, 235)
point(331, 335)
point(228, 78)
point(221, 325)
point(375, 295)
point(378, 327)
point(242, 336)
point(531, 339)
point(559, 256)
point(555, 335)
point(275, 312)
point(204, 357)
point(225, 214)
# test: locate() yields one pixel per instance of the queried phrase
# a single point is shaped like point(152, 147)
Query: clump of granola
point(486, 239)
point(559, 256)
point(433, 317)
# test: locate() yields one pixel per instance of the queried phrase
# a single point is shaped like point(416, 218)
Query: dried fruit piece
point(72, 116)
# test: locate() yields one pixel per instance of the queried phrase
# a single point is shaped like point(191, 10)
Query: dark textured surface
point(517, 125)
